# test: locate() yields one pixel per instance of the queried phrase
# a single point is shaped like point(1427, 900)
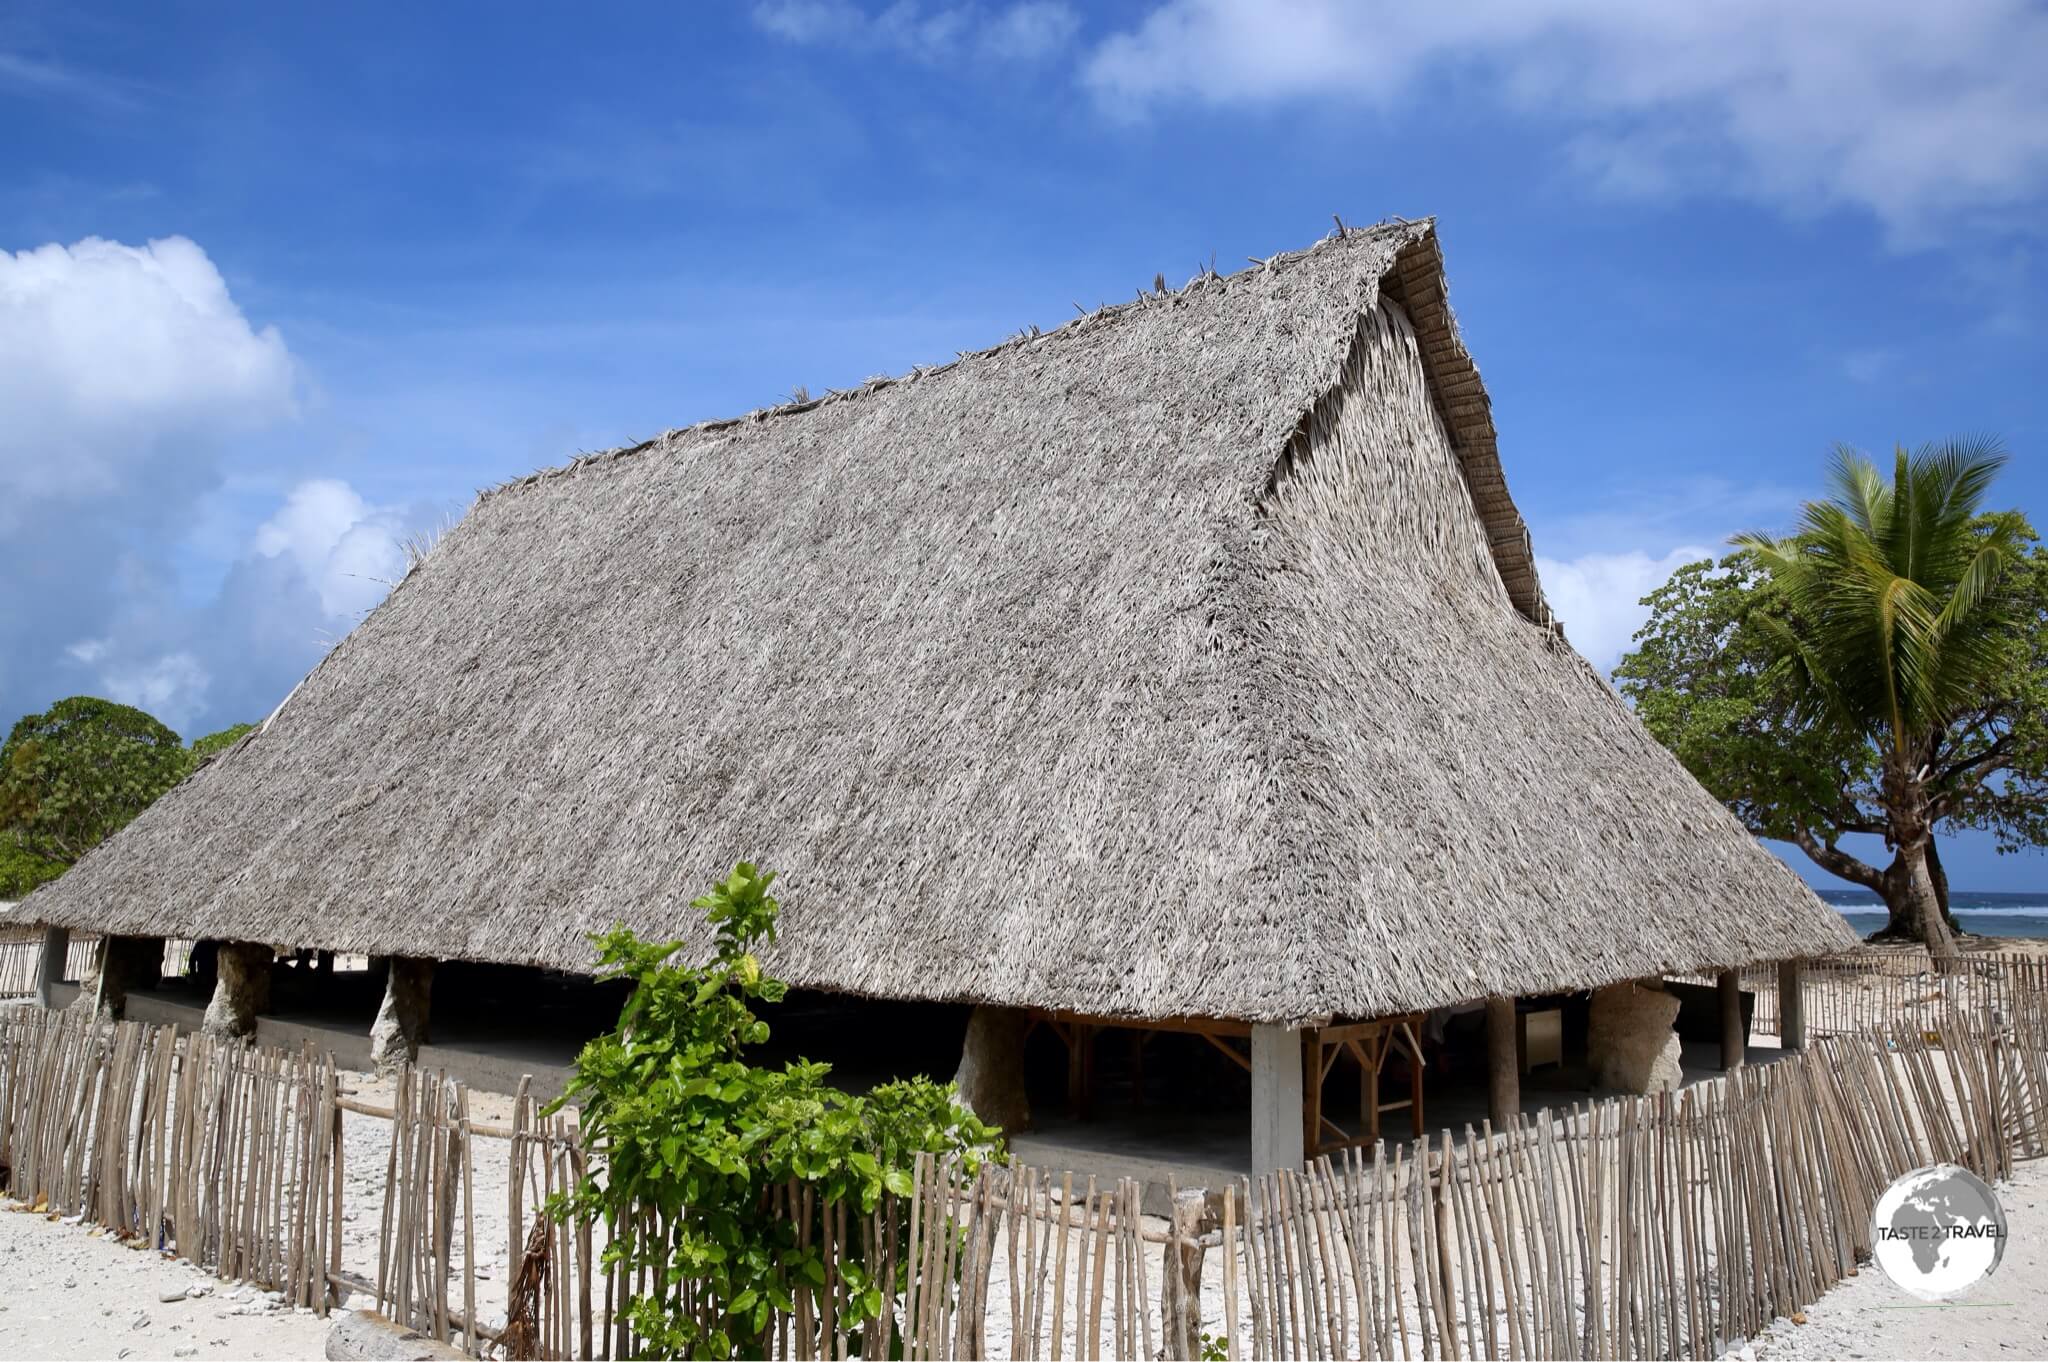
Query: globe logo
point(1938, 1231)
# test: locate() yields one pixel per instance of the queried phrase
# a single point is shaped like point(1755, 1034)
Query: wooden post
point(1791, 1006)
point(1276, 1099)
point(50, 967)
point(1733, 1038)
point(1503, 1067)
point(1080, 1069)
point(1180, 1283)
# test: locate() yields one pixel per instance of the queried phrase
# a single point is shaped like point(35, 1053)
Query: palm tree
point(1895, 627)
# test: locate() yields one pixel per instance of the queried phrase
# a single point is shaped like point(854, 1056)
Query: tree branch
point(1991, 760)
point(1836, 861)
point(1983, 763)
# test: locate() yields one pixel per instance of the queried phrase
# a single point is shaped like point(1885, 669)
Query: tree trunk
point(1940, 875)
point(1903, 923)
point(1909, 891)
point(1909, 885)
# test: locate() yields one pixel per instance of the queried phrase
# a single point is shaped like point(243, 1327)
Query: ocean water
point(1985, 914)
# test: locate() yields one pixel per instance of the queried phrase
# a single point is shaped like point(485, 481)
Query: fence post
point(1180, 1284)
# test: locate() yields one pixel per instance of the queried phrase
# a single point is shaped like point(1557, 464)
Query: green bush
point(680, 1123)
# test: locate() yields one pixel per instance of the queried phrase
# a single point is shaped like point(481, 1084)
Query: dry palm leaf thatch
point(1188, 659)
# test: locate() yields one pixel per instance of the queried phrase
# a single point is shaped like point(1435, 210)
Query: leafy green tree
point(20, 871)
point(684, 1126)
point(76, 774)
point(1766, 674)
point(215, 743)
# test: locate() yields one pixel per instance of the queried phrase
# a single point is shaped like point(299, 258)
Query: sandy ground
point(2006, 1316)
point(66, 1291)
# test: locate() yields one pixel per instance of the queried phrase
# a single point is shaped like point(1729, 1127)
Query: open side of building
point(1186, 665)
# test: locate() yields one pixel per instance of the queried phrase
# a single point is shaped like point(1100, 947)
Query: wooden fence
point(21, 958)
point(222, 1154)
point(1845, 994)
point(1667, 1226)
point(1673, 1225)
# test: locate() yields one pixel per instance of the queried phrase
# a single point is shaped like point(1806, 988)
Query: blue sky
point(280, 287)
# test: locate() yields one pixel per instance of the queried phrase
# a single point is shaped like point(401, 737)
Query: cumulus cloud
point(112, 356)
point(129, 380)
point(1916, 112)
point(1029, 30)
point(171, 686)
point(1599, 595)
point(306, 576)
point(349, 551)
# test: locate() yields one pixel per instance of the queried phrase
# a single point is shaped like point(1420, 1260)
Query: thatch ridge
point(1417, 282)
point(1185, 666)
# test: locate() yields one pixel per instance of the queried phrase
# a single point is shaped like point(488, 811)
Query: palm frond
point(1971, 589)
point(1890, 586)
point(1861, 490)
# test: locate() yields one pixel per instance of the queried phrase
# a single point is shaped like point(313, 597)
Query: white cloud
point(1030, 31)
point(349, 551)
point(110, 355)
point(143, 512)
point(1027, 31)
point(172, 687)
point(1916, 112)
point(1598, 596)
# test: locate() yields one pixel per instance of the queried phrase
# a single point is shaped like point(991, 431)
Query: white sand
point(2006, 1316)
point(67, 1292)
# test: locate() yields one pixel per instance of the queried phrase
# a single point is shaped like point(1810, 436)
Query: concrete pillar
point(1503, 1064)
point(1276, 1099)
point(241, 988)
point(991, 1073)
point(1734, 1040)
point(1791, 1006)
point(401, 1025)
point(120, 963)
point(50, 965)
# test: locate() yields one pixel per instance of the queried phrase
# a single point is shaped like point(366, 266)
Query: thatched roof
point(1186, 660)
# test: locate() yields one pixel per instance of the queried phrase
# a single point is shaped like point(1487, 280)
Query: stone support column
point(241, 989)
point(1276, 1099)
point(991, 1073)
point(401, 1025)
point(1630, 1041)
